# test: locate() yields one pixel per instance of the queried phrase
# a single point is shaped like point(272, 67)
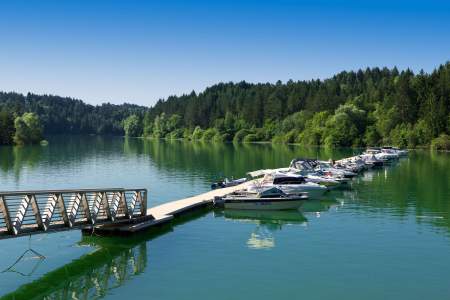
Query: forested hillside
point(356, 108)
point(366, 107)
point(67, 115)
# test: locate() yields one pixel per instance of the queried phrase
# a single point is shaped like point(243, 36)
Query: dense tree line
point(66, 115)
point(365, 107)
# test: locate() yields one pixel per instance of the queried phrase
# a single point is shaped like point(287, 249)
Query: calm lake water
point(385, 237)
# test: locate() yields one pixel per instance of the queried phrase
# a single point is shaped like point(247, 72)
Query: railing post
point(63, 211)
point(37, 212)
point(20, 214)
point(105, 202)
point(87, 210)
point(6, 215)
point(123, 199)
point(143, 194)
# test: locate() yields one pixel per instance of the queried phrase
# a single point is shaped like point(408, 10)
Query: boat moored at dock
point(289, 183)
point(269, 199)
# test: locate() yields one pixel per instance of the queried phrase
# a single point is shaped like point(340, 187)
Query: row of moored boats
point(287, 188)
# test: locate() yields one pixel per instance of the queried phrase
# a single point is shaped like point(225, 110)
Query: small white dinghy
point(269, 199)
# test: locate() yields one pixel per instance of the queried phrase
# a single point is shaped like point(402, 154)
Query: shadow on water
point(115, 261)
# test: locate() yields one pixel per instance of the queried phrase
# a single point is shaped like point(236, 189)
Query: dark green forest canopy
point(413, 95)
point(67, 115)
point(371, 106)
point(364, 107)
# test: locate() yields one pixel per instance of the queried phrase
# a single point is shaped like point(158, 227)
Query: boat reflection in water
point(317, 206)
point(267, 222)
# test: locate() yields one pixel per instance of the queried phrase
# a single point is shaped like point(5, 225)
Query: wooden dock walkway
point(166, 212)
point(179, 206)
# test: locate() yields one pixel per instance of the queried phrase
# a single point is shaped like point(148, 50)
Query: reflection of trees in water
point(229, 159)
point(420, 182)
point(17, 157)
point(62, 151)
point(91, 276)
point(210, 158)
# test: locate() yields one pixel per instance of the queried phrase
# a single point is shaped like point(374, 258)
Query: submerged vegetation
point(367, 107)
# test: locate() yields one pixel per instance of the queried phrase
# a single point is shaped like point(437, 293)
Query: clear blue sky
point(139, 51)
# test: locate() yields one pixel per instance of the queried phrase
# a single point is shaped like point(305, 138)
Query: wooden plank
point(179, 206)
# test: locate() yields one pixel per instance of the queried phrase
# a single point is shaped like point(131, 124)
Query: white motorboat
point(326, 180)
point(370, 159)
point(395, 150)
point(382, 154)
point(290, 184)
point(313, 172)
point(326, 166)
point(227, 183)
point(268, 199)
point(306, 166)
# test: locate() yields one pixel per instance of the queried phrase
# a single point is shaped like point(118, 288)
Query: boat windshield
point(271, 193)
point(289, 180)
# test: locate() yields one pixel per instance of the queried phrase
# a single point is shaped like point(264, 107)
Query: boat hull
point(263, 204)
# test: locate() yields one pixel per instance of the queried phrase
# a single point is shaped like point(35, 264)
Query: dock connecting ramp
point(29, 212)
point(105, 211)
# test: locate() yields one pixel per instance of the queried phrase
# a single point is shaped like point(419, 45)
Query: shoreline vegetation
point(351, 109)
point(418, 147)
point(20, 130)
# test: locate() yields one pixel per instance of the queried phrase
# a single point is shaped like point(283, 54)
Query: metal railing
point(28, 211)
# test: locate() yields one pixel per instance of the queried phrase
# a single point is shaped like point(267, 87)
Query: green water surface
point(387, 236)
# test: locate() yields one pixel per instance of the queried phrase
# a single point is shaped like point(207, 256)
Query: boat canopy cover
point(259, 173)
point(273, 191)
point(263, 172)
point(303, 163)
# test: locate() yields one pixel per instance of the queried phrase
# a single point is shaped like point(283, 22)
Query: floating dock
point(165, 212)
